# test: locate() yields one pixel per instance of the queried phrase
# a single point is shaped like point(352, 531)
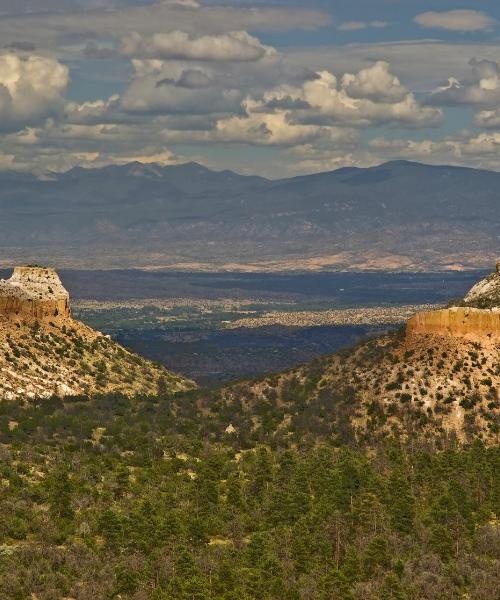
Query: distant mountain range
point(400, 215)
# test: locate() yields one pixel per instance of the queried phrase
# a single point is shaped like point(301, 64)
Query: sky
point(276, 88)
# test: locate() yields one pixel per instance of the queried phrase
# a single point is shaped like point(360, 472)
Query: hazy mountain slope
point(397, 215)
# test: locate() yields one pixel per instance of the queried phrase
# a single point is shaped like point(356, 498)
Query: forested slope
point(144, 498)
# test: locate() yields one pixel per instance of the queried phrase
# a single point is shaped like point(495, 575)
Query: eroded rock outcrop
point(476, 318)
point(470, 323)
point(34, 292)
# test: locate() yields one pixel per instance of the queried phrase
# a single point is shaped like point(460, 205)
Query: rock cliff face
point(34, 292)
point(476, 319)
point(464, 322)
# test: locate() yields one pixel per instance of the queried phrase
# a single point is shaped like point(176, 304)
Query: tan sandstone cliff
point(33, 292)
point(476, 319)
point(463, 322)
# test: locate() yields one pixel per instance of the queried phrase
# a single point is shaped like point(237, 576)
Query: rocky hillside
point(424, 388)
point(44, 352)
point(486, 293)
point(437, 379)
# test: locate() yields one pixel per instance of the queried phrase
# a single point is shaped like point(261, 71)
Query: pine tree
point(234, 493)
point(111, 528)
point(60, 495)
point(334, 586)
point(392, 589)
point(376, 555)
point(401, 502)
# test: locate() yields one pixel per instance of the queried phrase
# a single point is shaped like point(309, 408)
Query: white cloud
point(456, 20)
point(481, 87)
point(414, 62)
point(370, 97)
point(185, 88)
point(482, 150)
point(358, 25)
point(31, 89)
point(276, 129)
point(321, 111)
point(66, 32)
point(93, 113)
point(489, 119)
point(375, 83)
point(235, 46)
point(225, 88)
point(59, 146)
point(165, 88)
point(172, 102)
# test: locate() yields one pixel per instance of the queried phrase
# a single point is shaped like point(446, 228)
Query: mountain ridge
point(152, 167)
point(396, 216)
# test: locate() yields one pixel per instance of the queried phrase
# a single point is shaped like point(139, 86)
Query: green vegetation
point(52, 354)
point(155, 498)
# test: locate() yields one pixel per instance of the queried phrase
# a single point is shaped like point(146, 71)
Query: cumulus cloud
point(31, 89)
point(276, 129)
point(322, 111)
point(197, 84)
point(236, 46)
point(190, 78)
point(412, 61)
point(373, 96)
point(200, 105)
point(146, 97)
point(489, 119)
point(165, 88)
point(481, 87)
point(187, 88)
point(456, 20)
point(95, 112)
point(375, 83)
point(58, 146)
